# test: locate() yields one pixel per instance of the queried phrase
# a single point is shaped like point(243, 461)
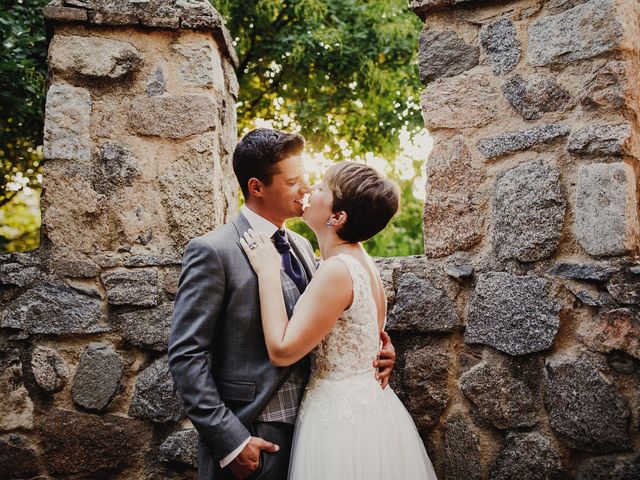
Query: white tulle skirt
point(352, 429)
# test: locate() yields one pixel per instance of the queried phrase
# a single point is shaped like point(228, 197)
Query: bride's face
point(319, 209)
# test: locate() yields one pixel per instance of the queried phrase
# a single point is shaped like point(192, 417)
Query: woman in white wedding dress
point(348, 426)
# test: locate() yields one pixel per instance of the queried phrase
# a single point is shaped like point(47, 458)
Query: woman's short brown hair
point(369, 199)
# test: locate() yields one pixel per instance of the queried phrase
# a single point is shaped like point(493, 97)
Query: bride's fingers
point(245, 246)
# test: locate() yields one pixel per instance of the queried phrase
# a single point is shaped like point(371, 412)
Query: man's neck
point(266, 214)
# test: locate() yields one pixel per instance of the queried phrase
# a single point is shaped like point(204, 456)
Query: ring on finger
point(253, 245)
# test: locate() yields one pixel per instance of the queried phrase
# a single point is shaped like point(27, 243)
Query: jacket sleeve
point(196, 311)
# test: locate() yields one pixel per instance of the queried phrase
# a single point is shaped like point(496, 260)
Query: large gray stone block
point(600, 139)
point(66, 123)
point(501, 45)
point(534, 95)
point(610, 467)
point(148, 328)
point(137, 287)
point(585, 409)
point(199, 65)
point(97, 379)
point(426, 375)
point(17, 275)
point(16, 407)
point(449, 102)
point(83, 445)
point(606, 218)
point(511, 142)
point(55, 309)
point(528, 456)
point(49, 368)
point(501, 399)
point(528, 212)
point(173, 116)
point(462, 459)
point(444, 54)
point(155, 396)
point(181, 447)
point(93, 57)
point(513, 314)
point(18, 459)
point(420, 307)
point(581, 32)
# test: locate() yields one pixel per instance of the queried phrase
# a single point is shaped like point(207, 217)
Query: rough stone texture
point(97, 379)
point(425, 381)
point(420, 307)
point(137, 287)
point(194, 197)
point(175, 116)
point(503, 400)
point(511, 142)
point(18, 459)
point(528, 212)
point(617, 329)
point(461, 450)
point(155, 396)
point(513, 314)
point(90, 446)
point(534, 95)
point(583, 271)
point(607, 88)
point(446, 102)
point(156, 83)
point(66, 123)
point(93, 57)
point(180, 447)
point(600, 140)
point(500, 44)
point(609, 468)
point(75, 267)
point(16, 408)
point(589, 295)
point(451, 219)
point(199, 66)
point(606, 219)
point(49, 369)
point(585, 409)
point(528, 456)
point(459, 271)
point(55, 309)
point(118, 164)
point(625, 288)
point(581, 32)
point(444, 54)
point(147, 328)
point(18, 275)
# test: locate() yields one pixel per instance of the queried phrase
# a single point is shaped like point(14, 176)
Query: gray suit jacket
point(217, 354)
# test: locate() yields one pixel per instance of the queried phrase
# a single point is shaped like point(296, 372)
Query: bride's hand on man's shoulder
point(260, 251)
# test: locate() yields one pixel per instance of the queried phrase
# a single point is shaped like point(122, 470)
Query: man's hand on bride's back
point(262, 255)
point(386, 359)
point(248, 460)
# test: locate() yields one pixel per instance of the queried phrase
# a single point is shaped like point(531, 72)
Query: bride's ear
point(338, 219)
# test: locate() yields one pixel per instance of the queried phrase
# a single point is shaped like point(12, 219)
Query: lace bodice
point(352, 344)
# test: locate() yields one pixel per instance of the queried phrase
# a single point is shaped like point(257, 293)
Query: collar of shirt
point(258, 223)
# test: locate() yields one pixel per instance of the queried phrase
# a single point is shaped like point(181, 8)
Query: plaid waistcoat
point(284, 405)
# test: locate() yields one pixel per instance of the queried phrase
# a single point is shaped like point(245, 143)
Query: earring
point(329, 223)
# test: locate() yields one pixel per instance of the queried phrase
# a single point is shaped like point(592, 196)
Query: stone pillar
point(139, 131)
point(518, 331)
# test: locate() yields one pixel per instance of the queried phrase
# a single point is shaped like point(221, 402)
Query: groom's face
point(283, 196)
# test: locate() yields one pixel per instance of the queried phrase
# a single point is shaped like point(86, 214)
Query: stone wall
point(139, 129)
point(518, 331)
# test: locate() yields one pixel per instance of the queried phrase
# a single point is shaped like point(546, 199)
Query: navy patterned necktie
point(290, 263)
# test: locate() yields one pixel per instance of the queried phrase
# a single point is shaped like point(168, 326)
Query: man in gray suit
point(243, 407)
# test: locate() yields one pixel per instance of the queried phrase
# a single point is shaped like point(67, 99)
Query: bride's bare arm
point(325, 298)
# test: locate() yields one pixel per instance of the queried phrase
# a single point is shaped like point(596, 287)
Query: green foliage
point(343, 72)
point(20, 222)
point(22, 78)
